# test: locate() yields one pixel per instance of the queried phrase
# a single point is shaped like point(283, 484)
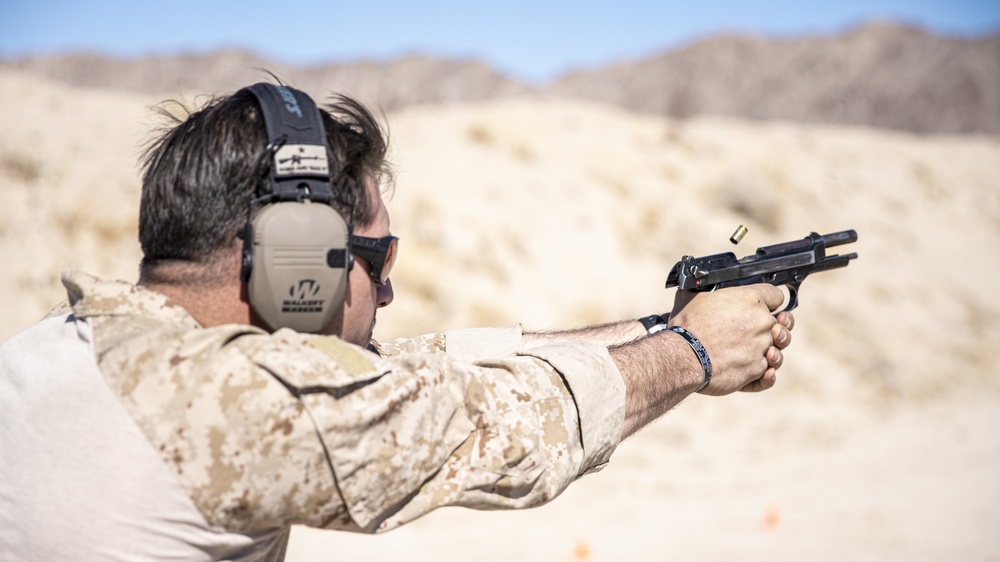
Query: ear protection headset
point(296, 250)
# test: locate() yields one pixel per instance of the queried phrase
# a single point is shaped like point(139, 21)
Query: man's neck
point(212, 306)
point(213, 295)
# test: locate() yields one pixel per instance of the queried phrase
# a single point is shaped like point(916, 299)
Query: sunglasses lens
point(380, 254)
point(390, 260)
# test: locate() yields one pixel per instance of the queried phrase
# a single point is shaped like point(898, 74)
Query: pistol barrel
point(838, 238)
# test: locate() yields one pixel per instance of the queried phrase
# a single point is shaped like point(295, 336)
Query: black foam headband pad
point(296, 134)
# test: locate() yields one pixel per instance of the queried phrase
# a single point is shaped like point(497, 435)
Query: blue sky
point(530, 39)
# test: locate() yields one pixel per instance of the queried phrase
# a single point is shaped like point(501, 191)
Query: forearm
point(608, 335)
point(658, 371)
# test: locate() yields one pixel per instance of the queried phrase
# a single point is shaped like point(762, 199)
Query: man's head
point(201, 174)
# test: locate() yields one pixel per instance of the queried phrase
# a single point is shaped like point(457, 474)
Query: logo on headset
point(302, 297)
point(301, 160)
point(291, 104)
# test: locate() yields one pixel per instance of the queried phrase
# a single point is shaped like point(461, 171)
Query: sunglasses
point(380, 253)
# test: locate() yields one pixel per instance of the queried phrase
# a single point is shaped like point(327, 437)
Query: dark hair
point(200, 174)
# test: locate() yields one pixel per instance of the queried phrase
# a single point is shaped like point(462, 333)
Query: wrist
point(700, 352)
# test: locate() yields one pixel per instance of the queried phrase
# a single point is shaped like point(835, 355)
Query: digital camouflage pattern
point(425, 343)
point(267, 430)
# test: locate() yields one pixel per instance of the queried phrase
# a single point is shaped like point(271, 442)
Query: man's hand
point(742, 336)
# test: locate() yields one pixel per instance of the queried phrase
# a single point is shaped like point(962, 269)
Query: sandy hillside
point(879, 441)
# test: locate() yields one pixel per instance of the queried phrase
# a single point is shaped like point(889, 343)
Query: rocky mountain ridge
point(879, 74)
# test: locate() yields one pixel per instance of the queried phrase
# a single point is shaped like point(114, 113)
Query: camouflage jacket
point(266, 430)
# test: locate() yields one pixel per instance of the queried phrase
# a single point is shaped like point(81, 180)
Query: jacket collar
point(91, 296)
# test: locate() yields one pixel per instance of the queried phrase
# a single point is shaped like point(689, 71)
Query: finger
point(780, 336)
point(763, 383)
point(771, 296)
point(786, 319)
point(774, 358)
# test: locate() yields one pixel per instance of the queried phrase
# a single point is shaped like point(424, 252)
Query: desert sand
point(880, 440)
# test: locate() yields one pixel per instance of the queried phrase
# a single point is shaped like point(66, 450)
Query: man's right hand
point(742, 336)
point(740, 333)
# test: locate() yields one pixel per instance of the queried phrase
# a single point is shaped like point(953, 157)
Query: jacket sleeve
point(414, 431)
point(465, 343)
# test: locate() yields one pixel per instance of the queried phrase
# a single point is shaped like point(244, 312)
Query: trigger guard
point(793, 299)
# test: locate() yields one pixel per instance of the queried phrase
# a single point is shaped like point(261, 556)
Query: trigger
point(791, 298)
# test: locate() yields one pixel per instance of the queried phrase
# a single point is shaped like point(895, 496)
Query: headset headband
point(296, 141)
point(297, 249)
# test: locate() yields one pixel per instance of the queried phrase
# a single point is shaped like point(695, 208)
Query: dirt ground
point(708, 483)
point(880, 441)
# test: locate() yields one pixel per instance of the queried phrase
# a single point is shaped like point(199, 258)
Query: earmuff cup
point(299, 264)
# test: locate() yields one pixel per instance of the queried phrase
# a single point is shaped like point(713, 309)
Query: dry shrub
point(480, 134)
point(931, 187)
point(523, 152)
point(20, 168)
point(488, 313)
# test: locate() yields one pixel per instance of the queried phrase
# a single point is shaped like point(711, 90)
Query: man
point(179, 419)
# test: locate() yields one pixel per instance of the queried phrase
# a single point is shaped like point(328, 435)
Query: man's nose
point(384, 293)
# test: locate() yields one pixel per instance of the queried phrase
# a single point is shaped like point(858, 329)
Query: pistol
point(787, 264)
